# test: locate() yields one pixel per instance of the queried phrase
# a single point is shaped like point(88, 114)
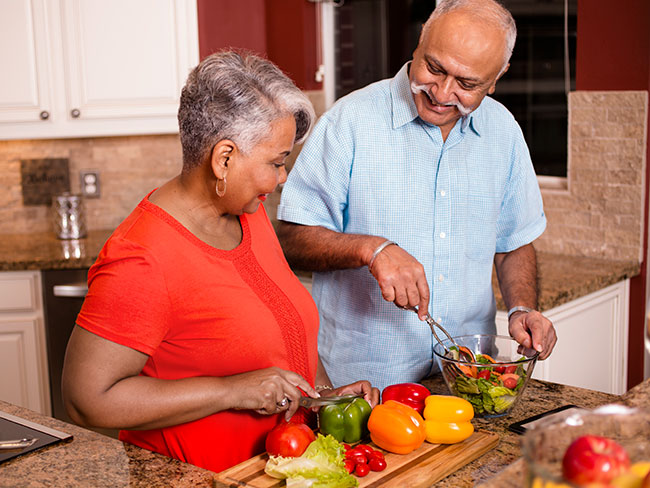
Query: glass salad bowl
point(492, 378)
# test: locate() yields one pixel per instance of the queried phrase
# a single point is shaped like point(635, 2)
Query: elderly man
point(425, 182)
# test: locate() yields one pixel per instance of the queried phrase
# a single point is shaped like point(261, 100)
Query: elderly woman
point(196, 338)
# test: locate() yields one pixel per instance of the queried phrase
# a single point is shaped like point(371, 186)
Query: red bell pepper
point(411, 394)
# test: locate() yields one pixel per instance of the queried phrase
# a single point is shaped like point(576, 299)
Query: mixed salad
point(491, 389)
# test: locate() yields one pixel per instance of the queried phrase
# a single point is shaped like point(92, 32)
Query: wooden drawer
point(19, 291)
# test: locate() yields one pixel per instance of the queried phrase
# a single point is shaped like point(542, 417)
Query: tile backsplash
point(599, 214)
point(129, 168)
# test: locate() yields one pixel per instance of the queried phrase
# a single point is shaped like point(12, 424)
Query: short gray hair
point(236, 96)
point(487, 10)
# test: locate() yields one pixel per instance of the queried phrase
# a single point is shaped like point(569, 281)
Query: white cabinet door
point(591, 350)
point(20, 382)
point(25, 83)
point(23, 359)
point(108, 68)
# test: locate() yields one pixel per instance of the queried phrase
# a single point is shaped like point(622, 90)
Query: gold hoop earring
point(221, 192)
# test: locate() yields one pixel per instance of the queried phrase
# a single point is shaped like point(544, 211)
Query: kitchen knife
point(309, 402)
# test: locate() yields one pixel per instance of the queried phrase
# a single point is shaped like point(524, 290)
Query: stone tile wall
point(129, 167)
point(601, 212)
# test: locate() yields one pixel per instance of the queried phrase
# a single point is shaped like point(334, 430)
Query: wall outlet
point(90, 183)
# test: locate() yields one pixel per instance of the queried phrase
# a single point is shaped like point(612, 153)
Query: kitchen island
point(92, 459)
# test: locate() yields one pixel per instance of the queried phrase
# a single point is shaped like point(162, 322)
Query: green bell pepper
point(346, 422)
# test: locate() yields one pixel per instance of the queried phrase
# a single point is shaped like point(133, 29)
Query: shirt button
point(443, 193)
point(441, 278)
point(442, 235)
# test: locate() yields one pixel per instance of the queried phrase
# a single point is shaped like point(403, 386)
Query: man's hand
point(402, 279)
point(533, 331)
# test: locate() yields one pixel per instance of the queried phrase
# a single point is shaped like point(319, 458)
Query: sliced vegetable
point(492, 389)
point(411, 394)
point(396, 427)
point(345, 422)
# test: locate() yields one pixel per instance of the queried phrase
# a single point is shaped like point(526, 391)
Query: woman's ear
point(222, 152)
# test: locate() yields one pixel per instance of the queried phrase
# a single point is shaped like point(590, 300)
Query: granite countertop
point(561, 278)
point(92, 459)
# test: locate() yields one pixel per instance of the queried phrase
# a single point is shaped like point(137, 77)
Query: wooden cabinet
point(23, 359)
point(591, 351)
point(76, 68)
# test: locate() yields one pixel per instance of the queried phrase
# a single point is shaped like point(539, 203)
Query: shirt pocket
point(480, 226)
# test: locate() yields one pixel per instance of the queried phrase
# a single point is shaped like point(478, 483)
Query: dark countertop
point(92, 459)
point(561, 278)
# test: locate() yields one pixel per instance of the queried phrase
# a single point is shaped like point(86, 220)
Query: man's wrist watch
point(519, 308)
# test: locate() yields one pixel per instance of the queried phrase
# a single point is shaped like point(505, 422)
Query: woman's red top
point(200, 311)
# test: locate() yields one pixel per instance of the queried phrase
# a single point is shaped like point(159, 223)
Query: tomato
point(500, 369)
point(376, 464)
point(361, 470)
point(349, 465)
point(484, 373)
point(289, 439)
point(510, 369)
point(375, 455)
point(366, 450)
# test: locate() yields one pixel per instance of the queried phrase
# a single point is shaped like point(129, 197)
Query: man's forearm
point(314, 248)
point(517, 273)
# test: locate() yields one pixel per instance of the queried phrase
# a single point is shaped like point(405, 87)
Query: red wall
point(613, 53)
point(285, 31)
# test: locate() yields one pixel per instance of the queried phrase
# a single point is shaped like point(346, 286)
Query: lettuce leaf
point(322, 465)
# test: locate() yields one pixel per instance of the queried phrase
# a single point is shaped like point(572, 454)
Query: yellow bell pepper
point(447, 419)
point(396, 427)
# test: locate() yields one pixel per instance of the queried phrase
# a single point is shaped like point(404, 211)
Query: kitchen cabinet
point(23, 360)
point(75, 68)
point(591, 351)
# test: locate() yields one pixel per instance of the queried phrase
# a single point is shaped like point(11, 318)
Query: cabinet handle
point(44, 115)
point(72, 290)
point(75, 112)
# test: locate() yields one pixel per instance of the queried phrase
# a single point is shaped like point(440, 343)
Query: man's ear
point(220, 159)
point(494, 85)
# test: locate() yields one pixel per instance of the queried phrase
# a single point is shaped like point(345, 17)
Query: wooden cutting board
point(421, 468)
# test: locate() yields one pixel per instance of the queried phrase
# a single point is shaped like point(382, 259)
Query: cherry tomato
point(376, 464)
point(375, 455)
point(349, 465)
point(511, 369)
point(347, 447)
point(351, 453)
point(365, 449)
point(484, 373)
point(500, 369)
point(361, 470)
point(289, 439)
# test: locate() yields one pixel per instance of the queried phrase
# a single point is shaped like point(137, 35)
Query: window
point(374, 38)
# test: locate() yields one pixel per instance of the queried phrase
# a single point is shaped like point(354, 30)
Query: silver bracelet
point(519, 308)
point(379, 249)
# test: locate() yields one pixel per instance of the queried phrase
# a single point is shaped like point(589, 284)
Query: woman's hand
point(269, 391)
point(370, 394)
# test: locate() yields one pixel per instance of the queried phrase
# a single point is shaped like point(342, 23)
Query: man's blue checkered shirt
point(372, 166)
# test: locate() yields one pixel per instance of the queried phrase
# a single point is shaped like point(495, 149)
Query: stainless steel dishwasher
point(64, 291)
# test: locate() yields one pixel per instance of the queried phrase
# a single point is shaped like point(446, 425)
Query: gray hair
point(487, 10)
point(236, 96)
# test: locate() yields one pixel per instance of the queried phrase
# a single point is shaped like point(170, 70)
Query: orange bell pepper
point(396, 427)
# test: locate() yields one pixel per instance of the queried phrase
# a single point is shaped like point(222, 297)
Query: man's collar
point(403, 105)
point(405, 110)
